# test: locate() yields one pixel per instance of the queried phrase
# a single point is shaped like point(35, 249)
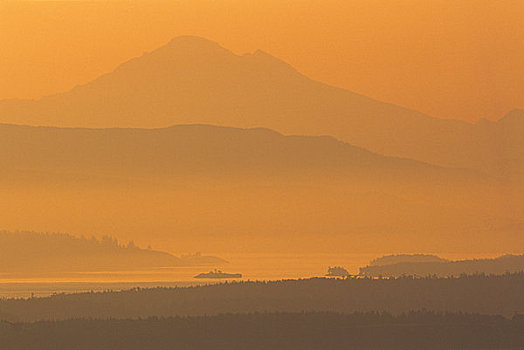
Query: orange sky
point(453, 59)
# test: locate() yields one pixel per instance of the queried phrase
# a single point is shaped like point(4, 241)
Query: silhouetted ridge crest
point(184, 41)
point(205, 150)
point(193, 47)
point(513, 117)
point(269, 61)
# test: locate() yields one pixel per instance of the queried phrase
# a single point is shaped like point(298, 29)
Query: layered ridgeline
point(59, 253)
point(495, 295)
point(193, 80)
point(200, 187)
point(430, 265)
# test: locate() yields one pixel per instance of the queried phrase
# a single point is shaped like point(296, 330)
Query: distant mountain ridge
point(200, 150)
point(192, 80)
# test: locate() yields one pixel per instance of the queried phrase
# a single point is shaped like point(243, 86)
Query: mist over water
point(253, 267)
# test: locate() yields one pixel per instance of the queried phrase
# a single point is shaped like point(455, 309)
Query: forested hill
point(420, 265)
point(59, 252)
point(502, 295)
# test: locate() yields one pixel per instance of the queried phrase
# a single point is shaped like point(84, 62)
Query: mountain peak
point(192, 46)
point(201, 49)
point(191, 41)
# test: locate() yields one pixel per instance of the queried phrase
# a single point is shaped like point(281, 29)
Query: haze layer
point(219, 189)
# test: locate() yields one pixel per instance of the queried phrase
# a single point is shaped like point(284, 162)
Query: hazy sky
point(452, 59)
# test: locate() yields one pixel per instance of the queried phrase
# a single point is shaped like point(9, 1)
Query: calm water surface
point(252, 266)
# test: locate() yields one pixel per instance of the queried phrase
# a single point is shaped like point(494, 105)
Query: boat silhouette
point(218, 274)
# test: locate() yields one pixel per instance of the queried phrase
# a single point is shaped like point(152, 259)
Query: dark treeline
point(502, 295)
point(415, 330)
